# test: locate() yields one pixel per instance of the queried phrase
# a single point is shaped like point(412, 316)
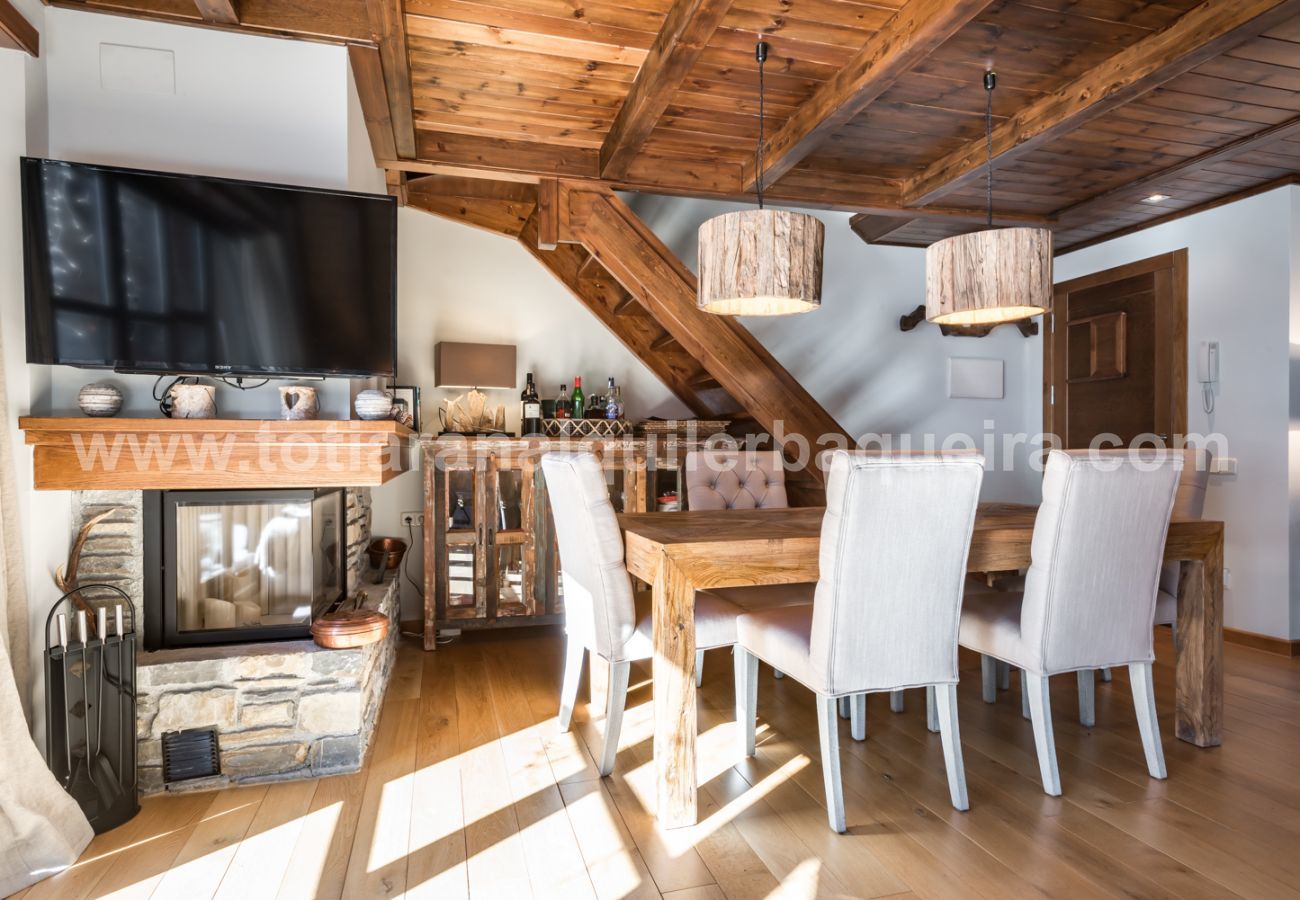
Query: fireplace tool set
point(90, 704)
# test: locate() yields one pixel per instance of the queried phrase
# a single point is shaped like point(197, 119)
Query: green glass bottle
point(579, 398)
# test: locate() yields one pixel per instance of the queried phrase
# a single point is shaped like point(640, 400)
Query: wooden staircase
point(611, 262)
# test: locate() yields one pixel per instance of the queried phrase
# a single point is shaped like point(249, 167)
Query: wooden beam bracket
point(16, 33)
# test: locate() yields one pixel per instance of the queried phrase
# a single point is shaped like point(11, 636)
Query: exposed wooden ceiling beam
point(219, 12)
point(500, 159)
point(388, 31)
point(368, 73)
point(396, 184)
point(16, 33)
point(909, 36)
point(1137, 189)
point(1199, 35)
point(475, 188)
point(874, 228)
point(685, 32)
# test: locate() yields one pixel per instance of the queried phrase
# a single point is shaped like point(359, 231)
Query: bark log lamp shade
point(474, 365)
point(761, 262)
point(992, 276)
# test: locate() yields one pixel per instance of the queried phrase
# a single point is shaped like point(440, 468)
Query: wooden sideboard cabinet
point(490, 555)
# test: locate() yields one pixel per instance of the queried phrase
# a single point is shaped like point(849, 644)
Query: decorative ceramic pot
point(373, 405)
point(193, 401)
point(100, 399)
point(298, 403)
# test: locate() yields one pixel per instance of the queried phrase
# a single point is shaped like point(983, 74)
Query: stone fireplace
point(235, 567)
point(281, 709)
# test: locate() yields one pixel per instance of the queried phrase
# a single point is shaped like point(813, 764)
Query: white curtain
point(42, 830)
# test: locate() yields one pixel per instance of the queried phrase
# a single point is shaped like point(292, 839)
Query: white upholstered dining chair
point(1189, 503)
point(1090, 593)
point(892, 564)
point(726, 478)
point(602, 614)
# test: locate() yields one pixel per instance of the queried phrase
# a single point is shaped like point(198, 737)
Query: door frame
point(1170, 270)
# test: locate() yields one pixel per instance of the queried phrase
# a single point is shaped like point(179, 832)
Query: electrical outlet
point(412, 520)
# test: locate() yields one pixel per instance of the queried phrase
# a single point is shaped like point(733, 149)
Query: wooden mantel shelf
point(78, 453)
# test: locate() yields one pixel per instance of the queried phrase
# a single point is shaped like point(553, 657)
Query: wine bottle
point(563, 408)
point(579, 399)
point(530, 422)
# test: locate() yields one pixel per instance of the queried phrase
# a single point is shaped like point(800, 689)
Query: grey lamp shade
point(474, 365)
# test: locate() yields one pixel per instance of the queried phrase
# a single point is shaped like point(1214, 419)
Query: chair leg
point(1004, 676)
point(858, 717)
point(946, 701)
point(896, 701)
point(1087, 697)
point(1105, 674)
point(843, 704)
point(1144, 700)
point(1024, 696)
point(989, 676)
point(573, 653)
point(615, 701)
point(828, 731)
point(931, 711)
point(1040, 710)
point(746, 698)
point(699, 668)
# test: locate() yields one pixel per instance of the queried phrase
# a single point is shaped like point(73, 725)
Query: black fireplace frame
point(161, 631)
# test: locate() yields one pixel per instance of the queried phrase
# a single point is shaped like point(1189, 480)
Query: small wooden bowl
point(354, 628)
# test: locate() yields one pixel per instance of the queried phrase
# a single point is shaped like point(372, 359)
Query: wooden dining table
point(679, 553)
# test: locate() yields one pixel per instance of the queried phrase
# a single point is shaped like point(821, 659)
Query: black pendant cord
point(990, 82)
point(760, 54)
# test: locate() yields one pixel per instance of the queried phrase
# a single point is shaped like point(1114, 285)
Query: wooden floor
point(472, 791)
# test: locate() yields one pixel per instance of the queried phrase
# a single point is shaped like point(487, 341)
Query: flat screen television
point(180, 274)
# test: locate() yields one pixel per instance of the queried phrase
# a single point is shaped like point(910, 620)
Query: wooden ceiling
point(874, 106)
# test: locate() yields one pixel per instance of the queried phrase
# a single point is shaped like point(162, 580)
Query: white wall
point(457, 283)
point(1239, 293)
point(851, 356)
point(243, 107)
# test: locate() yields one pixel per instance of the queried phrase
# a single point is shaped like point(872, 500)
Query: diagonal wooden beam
point(1200, 34)
point(387, 20)
point(910, 35)
point(1135, 190)
point(875, 228)
point(219, 12)
point(16, 33)
point(685, 32)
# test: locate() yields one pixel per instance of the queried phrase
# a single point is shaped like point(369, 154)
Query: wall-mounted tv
point(161, 273)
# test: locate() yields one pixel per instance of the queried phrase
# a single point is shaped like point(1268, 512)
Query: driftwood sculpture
point(66, 578)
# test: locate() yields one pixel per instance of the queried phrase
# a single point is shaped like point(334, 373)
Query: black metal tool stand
point(90, 709)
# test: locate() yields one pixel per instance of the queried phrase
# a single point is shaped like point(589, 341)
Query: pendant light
point(761, 262)
point(992, 276)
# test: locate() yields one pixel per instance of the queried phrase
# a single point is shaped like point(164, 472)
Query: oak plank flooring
point(471, 791)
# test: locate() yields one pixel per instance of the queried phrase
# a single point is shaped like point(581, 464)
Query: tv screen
point(153, 272)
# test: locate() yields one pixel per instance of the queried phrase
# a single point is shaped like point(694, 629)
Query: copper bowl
point(386, 553)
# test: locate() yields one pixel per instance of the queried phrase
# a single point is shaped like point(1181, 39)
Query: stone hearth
point(282, 710)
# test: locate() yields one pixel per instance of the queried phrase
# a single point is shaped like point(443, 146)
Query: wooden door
point(1115, 355)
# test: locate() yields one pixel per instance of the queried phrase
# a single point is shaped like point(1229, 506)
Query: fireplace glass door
point(249, 565)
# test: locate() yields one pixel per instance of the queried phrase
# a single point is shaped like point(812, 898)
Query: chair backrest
point(1097, 549)
point(598, 605)
point(1189, 503)
point(735, 479)
point(893, 562)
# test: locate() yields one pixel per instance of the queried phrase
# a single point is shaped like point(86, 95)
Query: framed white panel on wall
point(975, 379)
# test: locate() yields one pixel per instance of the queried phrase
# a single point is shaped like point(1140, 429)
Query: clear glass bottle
point(563, 406)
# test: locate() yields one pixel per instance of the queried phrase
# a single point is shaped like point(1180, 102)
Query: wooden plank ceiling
point(875, 106)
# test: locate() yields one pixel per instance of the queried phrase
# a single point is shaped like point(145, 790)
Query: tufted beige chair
point(742, 479)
